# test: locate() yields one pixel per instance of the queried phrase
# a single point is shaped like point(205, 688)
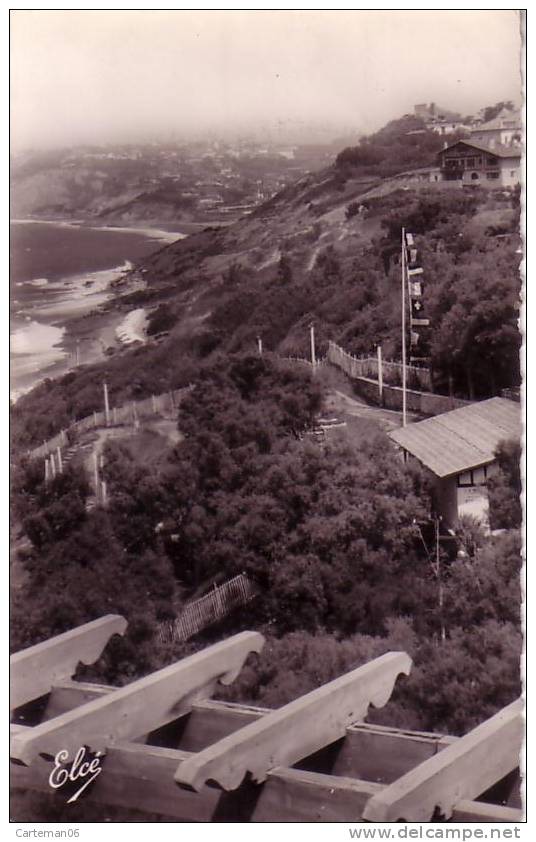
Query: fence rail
point(421, 402)
point(301, 362)
point(368, 367)
point(209, 609)
point(129, 413)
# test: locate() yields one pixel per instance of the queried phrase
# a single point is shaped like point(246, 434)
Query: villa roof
point(499, 150)
point(499, 121)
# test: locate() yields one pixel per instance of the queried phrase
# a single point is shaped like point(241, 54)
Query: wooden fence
point(209, 609)
point(368, 367)
point(129, 413)
point(299, 362)
point(391, 397)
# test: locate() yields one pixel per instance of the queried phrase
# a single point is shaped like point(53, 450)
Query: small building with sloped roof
point(458, 449)
point(504, 129)
point(478, 164)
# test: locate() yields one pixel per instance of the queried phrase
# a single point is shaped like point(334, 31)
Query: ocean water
point(59, 271)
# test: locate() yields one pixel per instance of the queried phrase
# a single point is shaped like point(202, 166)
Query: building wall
point(510, 172)
point(492, 136)
point(421, 403)
point(447, 127)
point(474, 501)
point(445, 499)
point(472, 493)
point(476, 167)
point(464, 494)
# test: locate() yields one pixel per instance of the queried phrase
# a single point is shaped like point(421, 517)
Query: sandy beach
point(153, 233)
point(57, 318)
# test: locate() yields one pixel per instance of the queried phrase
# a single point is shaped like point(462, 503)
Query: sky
point(115, 76)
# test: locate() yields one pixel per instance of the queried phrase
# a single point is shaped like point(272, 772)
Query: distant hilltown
point(223, 179)
point(193, 179)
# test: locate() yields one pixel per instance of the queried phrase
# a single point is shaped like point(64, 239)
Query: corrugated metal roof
point(462, 439)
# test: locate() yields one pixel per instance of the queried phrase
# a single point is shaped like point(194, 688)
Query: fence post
point(96, 474)
point(106, 404)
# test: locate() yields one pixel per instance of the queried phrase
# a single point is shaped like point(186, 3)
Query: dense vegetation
point(402, 144)
point(505, 487)
point(327, 534)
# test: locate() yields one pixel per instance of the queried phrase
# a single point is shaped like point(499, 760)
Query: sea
point(61, 270)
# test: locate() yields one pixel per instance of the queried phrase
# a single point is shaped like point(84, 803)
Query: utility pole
point(380, 374)
point(106, 404)
point(404, 327)
point(435, 564)
point(439, 580)
point(259, 344)
point(313, 354)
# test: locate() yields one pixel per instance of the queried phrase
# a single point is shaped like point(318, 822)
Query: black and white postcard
point(267, 411)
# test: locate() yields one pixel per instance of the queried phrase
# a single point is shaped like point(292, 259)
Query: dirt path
point(388, 419)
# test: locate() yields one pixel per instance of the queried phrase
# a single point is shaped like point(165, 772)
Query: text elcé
point(80, 769)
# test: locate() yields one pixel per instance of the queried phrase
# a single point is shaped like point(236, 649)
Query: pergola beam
point(140, 777)
point(140, 707)
point(296, 730)
point(36, 669)
point(463, 770)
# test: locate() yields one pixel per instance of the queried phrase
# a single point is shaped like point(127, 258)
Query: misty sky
point(99, 76)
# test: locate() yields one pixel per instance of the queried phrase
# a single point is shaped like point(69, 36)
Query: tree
point(284, 270)
point(352, 210)
point(505, 488)
point(492, 111)
point(486, 586)
point(49, 511)
point(477, 340)
point(355, 156)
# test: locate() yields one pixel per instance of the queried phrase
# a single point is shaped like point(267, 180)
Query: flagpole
point(403, 327)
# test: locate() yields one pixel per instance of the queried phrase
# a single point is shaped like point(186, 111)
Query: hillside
point(325, 248)
point(330, 533)
point(156, 183)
